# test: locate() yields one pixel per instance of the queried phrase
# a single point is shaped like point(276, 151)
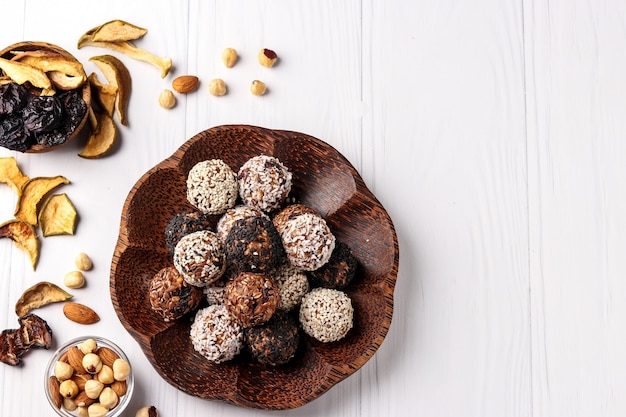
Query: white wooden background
point(493, 131)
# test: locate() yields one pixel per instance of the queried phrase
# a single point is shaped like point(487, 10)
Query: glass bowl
point(61, 354)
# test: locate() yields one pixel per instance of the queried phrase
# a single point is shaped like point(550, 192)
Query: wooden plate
point(322, 179)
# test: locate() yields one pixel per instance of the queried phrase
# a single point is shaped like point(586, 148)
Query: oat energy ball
point(307, 239)
point(264, 182)
point(182, 224)
point(171, 296)
point(326, 314)
point(339, 271)
point(292, 285)
point(212, 186)
point(253, 245)
point(200, 258)
point(275, 342)
point(226, 222)
point(251, 298)
point(215, 335)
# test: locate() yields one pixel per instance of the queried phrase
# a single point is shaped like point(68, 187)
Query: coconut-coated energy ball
point(212, 186)
point(215, 335)
point(326, 314)
point(171, 296)
point(264, 182)
point(200, 258)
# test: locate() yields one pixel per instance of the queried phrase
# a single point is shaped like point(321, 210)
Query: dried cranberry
point(14, 136)
point(13, 98)
point(42, 114)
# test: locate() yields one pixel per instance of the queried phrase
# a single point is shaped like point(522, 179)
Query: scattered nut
point(121, 370)
point(74, 279)
point(185, 84)
point(83, 262)
point(147, 411)
point(267, 57)
point(167, 100)
point(92, 363)
point(68, 388)
point(217, 87)
point(80, 313)
point(258, 88)
point(229, 57)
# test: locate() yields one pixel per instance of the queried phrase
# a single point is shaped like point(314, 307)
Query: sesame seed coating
point(326, 314)
point(212, 186)
point(264, 182)
point(215, 335)
point(292, 285)
point(200, 258)
point(182, 224)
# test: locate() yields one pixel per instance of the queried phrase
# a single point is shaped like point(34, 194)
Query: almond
point(82, 400)
point(185, 84)
point(80, 313)
point(81, 379)
point(75, 359)
point(55, 391)
point(119, 387)
point(107, 356)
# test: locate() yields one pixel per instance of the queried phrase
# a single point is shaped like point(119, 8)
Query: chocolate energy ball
point(253, 245)
point(307, 239)
point(215, 335)
point(292, 285)
point(212, 186)
point(326, 314)
point(339, 271)
point(275, 342)
point(200, 258)
point(251, 298)
point(171, 296)
point(226, 222)
point(264, 182)
point(182, 224)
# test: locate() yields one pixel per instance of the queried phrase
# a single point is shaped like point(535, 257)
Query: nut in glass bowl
point(89, 376)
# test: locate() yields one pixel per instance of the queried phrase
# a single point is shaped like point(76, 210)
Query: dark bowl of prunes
point(44, 97)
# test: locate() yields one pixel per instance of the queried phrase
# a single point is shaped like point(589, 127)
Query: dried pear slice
point(22, 73)
point(24, 237)
point(118, 30)
point(58, 216)
point(104, 94)
point(39, 295)
point(118, 76)
point(11, 175)
point(32, 192)
point(65, 82)
point(51, 61)
point(101, 140)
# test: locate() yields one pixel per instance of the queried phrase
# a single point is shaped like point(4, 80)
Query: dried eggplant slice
point(32, 192)
point(35, 332)
point(24, 236)
point(58, 216)
point(11, 349)
point(11, 175)
point(39, 295)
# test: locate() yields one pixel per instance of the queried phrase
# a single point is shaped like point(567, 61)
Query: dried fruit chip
point(118, 30)
point(32, 192)
point(51, 61)
point(117, 75)
point(11, 175)
point(103, 94)
point(24, 236)
point(22, 73)
point(58, 216)
point(39, 295)
point(65, 82)
point(100, 141)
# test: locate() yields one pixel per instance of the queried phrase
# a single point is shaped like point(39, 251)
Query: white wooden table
point(493, 132)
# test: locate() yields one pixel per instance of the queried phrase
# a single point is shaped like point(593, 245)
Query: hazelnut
point(88, 346)
point(108, 398)
point(69, 404)
point(93, 388)
point(63, 370)
point(74, 279)
point(258, 88)
point(167, 100)
point(68, 388)
point(92, 363)
point(229, 57)
point(267, 57)
point(121, 370)
point(83, 262)
point(147, 411)
point(217, 87)
point(97, 410)
point(106, 375)
point(82, 411)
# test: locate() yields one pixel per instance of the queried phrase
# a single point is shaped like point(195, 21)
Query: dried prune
point(13, 134)
point(75, 108)
point(13, 98)
point(42, 114)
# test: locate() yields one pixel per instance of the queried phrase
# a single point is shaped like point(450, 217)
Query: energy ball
point(326, 314)
point(275, 342)
point(171, 296)
point(182, 224)
point(264, 182)
point(339, 271)
point(200, 258)
point(251, 298)
point(212, 186)
point(214, 293)
point(226, 222)
point(215, 335)
point(253, 245)
point(307, 239)
point(292, 285)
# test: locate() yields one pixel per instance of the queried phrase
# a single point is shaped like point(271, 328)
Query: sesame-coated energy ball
point(264, 182)
point(212, 186)
point(200, 258)
point(292, 285)
point(215, 335)
point(326, 314)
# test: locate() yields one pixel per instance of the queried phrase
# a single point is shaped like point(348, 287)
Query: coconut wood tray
point(322, 179)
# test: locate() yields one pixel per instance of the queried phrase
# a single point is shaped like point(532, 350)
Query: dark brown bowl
point(322, 179)
point(83, 128)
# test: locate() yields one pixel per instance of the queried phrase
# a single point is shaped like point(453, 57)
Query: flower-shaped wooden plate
point(322, 179)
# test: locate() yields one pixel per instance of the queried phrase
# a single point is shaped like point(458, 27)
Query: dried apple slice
point(102, 139)
point(32, 192)
point(24, 237)
point(117, 75)
point(58, 216)
point(11, 175)
point(118, 30)
point(39, 295)
point(22, 73)
point(104, 94)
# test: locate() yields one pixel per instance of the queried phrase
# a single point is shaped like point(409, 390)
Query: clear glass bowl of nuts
point(89, 376)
